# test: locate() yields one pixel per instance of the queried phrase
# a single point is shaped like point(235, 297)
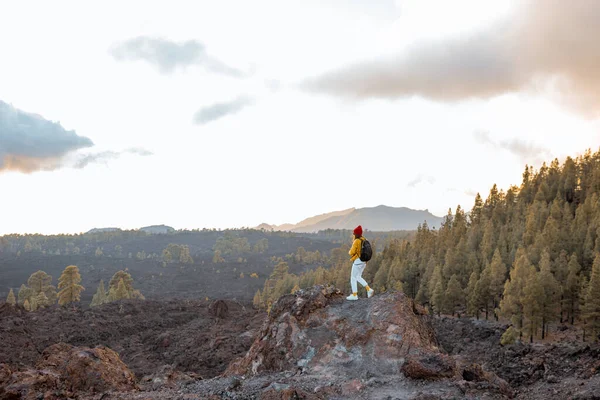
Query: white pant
point(357, 269)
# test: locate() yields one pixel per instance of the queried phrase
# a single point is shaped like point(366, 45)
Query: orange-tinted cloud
point(546, 45)
point(31, 143)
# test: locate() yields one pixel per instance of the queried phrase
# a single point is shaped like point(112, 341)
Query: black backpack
point(366, 252)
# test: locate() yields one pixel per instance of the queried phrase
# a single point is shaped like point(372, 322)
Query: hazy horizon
point(234, 114)
point(198, 227)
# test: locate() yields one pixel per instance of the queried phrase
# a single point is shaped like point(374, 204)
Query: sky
point(204, 114)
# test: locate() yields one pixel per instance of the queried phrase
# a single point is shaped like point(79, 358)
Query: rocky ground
point(560, 370)
point(148, 335)
point(313, 345)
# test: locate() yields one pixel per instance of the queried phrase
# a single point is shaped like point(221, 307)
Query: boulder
point(168, 376)
point(64, 370)
point(430, 366)
point(317, 331)
point(475, 377)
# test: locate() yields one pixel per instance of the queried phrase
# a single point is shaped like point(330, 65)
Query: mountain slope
point(322, 217)
point(380, 218)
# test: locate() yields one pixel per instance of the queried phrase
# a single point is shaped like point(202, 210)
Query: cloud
point(421, 179)
point(220, 110)
point(31, 143)
point(525, 151)
point(168, 55)
point(548, 45)
point(104, 156)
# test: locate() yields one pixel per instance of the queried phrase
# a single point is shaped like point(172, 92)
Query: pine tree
point(437, 289)
point(42, 282)
point(69, 285)
point(487, 242)
point(531, 303)
point(583, 289)
point(571, 289)
point(41, 301)
point(550, 300)
point(423, 295)
point(257, 300)
point(121, 291)
point(100, 297)
point(560, 270)
point(551, 236)
point(511, 305)
point(184, 256)
point(497, 280)
point(437, 298)
point(454, 295)
point(483, 296)
point(24, 294)
point(380, 280)
point(217, 258)
point(472, 300)
point(280, 270)
point(588, 245)
point(476, 211)
point(26, 305)
point(113, 287)
point(591, 310)
point(121, 276)
point(38, 281)
point(10, 299)
point(531, 223)
point(510, 336)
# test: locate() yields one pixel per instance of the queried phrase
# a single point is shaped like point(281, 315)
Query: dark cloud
point(104, 156)
point(31, 143)
point(547, 44)
point(527, 152)
point(167, 55)
point(220, 110)
point(421, 179)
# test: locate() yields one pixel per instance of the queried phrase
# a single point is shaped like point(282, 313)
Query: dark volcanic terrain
point(184, 334)
point(313, 345)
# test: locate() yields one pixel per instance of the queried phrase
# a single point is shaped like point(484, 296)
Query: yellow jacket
point(355, 249)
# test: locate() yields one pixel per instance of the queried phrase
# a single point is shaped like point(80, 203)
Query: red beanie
point(358, 231)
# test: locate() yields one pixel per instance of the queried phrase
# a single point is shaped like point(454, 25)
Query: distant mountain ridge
point(152, 229)
point(381, 218)
point(157, 229)
point(101, 230)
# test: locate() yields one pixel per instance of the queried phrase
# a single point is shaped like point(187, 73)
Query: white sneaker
point(352, 297)
point(370, 293)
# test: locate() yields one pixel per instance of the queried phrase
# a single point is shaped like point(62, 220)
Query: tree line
point(530, 254)
point(39, 292)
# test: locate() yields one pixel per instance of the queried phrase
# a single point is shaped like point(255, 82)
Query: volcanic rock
point(316, 331)
point(64, 370)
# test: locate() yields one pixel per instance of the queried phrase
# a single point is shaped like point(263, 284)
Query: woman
point(358, 266)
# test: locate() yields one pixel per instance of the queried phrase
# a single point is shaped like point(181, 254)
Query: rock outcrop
point(317, 331)
point(359, 348)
